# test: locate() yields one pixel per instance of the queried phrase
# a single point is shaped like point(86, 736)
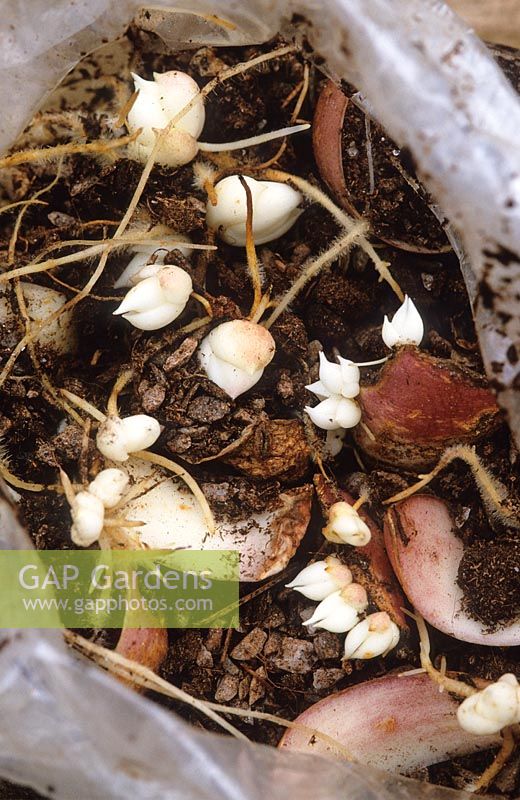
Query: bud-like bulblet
point(406, 326)
point(339, 612)
point(321, 579)
point(158, 298)
point(109, 485)
point(157, 104)
point(345, 526)
point(235, 354)
point(374, 636)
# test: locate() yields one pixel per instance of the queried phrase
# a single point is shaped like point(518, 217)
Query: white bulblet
point(109, 485)
point(345, 526)
point(141, 431)
point(334, 412)
point(235, 354)
point(406, 326)
point(117, 438)
point(493, 708)
point(88, 516)
point(374, 636)
point(339, 612)
point(321, 579)
point(275, 210)
point(157, 103)
point(158, 298)
point(336, 379)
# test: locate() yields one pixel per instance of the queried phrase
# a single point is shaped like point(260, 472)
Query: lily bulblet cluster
point(495, 707)
point(235, 354)
point(342, 603)
point(275, 210)
point(158, 298)
point(406, 326)
point(117, 438)
point(157, 104)
point(345, 526)
point(88, 508)
point(338, 384)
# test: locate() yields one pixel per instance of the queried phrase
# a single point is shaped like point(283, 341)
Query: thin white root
point(498, 763)
point(251, 141)
point(123, 380)
point(262, 307)
point(314, 266)
point(68, 489)
point(12, 480)
point(84, 405)
point(146, 455)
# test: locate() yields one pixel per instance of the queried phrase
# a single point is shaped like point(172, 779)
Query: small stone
point(285, 386)
point(250, 645)
point(179, 443)
point(243, 688)
point(257, 688)
point(182, 355)
point(327, 645)
point(206, 62)
point(306, 613)
point(274, 617)
point(296, 656)
point(208, 409)
point(68, 444)
point(226, 689)
point(273, 644)
point(61, 220)
point(204, 658)
point(326, 678)
point(214, 639)
point(229, 667)
point(153, 398)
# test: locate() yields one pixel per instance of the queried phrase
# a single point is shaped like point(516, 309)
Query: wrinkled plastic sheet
point(67, 728)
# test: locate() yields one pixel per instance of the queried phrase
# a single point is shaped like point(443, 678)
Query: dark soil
point(396, 211)
point(489, 574)
point(271, 663)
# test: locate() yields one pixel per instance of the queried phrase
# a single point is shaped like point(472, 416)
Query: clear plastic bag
point(68, 729)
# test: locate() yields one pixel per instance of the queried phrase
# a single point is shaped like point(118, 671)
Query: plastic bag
point(68, 729)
